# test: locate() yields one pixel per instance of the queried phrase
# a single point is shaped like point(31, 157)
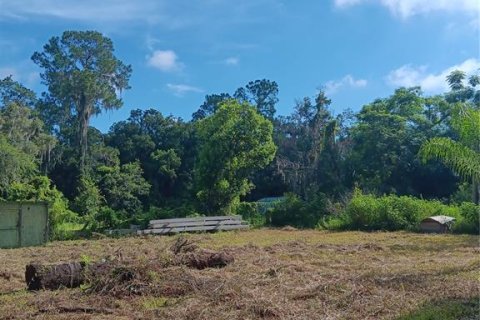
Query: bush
point(107, 218)
point(470, 221)
point(299, 213)
point(68, 230)
point(250, 212)
point(39, 188)
point(368, 212)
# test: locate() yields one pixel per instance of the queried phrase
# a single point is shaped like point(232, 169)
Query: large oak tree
point(83, 77)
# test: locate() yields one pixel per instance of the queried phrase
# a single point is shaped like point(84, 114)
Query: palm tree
point(462, 160)
point(462, 156)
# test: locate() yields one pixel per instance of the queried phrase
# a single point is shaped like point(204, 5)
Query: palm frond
point(466, 122)
point(461, 159)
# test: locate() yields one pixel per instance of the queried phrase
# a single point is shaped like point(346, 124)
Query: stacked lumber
point(195, 224)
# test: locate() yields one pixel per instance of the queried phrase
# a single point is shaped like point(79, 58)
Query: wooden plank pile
point(194, 224)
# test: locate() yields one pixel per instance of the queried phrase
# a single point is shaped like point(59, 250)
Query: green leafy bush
point(250, 213)
point(40, 188)
point(107, 218)
point(369, 212)
point(123, 187)
point(296, 212)
point(470, 221)
point(88, 203)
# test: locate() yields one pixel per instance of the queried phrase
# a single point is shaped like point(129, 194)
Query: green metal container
point(23, 224)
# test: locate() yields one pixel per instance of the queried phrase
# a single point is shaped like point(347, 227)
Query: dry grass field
point(277, 274)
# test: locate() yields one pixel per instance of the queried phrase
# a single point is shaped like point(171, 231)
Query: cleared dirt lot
point(276, 274)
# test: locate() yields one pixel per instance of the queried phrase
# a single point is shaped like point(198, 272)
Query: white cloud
point(408, 8)
point(151, 42)
point(181, 89)
point(409, 76)
point(165, 60)
point(170, 14)
point(475, 23)
point(332, 86)
point(232, 61)
point(406, 76)
point(86, 10)
point(346, 3)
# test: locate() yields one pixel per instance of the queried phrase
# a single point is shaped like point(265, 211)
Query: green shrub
point(369, 212)
point(107, 218)
point(470, 219)
point(336, 223)
point(296, 212)
point(40, 188)
point(250, 212)
point(68, 230)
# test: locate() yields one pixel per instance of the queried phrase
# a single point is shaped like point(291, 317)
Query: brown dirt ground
point(276, 274)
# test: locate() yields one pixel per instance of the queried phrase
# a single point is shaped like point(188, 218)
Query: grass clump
point(153, 303)
point(446, 310)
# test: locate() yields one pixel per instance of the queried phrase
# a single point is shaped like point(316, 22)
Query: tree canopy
point(234, 142)
point(83, 77)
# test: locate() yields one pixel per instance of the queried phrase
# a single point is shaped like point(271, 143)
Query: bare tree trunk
point(476, 192)
point(84, 114)
point(83, 142)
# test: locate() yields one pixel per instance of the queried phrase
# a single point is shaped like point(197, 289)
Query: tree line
point(234, 151)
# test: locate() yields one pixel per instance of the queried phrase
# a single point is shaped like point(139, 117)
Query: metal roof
point(440, 219)
point(271, 199)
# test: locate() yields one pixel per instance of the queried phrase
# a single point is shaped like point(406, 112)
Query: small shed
point(437, 224)
point(23, 224)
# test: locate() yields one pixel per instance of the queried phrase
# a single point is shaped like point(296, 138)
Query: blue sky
point(357, 50)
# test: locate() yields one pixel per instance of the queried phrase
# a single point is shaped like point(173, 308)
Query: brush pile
point(118, 276)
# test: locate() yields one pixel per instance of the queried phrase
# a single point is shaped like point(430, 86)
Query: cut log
point(68, 275)
point(74, 274)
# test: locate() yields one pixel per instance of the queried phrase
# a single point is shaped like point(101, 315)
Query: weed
point(153, 303)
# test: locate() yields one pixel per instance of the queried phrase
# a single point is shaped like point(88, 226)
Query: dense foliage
point(233, 143)
point(368, 212)
point(235, 151)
